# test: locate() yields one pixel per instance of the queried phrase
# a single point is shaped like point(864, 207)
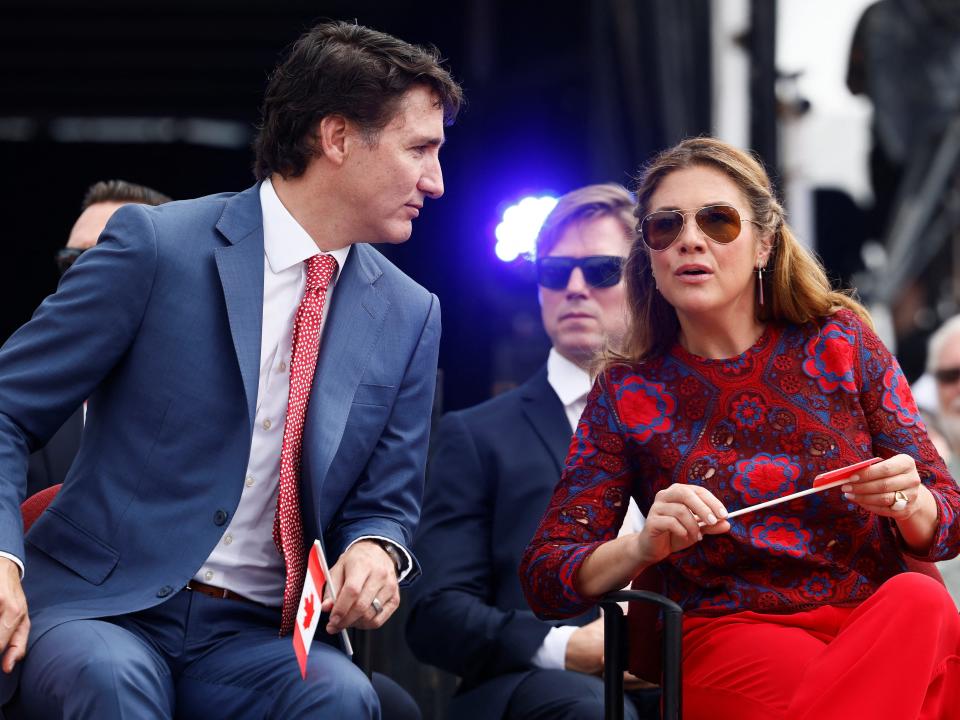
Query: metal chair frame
point(616, 651)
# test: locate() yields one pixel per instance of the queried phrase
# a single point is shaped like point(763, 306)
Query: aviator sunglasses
point(720, 223)
point(599, 271)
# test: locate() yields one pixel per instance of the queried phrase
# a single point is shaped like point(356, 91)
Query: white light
point(517, 232)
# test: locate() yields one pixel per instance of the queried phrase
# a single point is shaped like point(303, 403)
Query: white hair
point(947, 331)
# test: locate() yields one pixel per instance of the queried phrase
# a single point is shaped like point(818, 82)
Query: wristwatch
point(390, 549)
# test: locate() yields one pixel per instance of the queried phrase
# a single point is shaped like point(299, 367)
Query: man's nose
point(576, 283)
point(431, 182)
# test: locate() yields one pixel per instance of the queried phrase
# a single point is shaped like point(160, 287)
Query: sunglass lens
point(66, 257)
point(719, 222)
point(947, 376)
point(660, 229)
point(553, 273)
point(602, 271)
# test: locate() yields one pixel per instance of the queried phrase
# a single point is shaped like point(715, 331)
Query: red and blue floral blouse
point(801, 401)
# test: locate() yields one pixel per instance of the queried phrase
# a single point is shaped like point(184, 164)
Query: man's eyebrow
point(431, 141)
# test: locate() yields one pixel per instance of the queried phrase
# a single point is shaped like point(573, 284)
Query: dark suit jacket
point(491, 474)
point(48, 465)
point(159, 325)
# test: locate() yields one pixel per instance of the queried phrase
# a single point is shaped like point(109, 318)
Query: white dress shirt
point(572, 384)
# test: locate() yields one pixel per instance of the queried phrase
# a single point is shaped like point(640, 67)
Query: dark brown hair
point(121, 191)
point(342, 69)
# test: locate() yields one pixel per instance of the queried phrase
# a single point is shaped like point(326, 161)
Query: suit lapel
point(353, 326)
point(240, 265)
point(546, 414)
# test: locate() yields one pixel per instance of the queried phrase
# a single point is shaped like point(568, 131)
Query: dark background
point(559, 95)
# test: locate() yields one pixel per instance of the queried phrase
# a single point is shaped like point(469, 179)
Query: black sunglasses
point(599, 271)
point(947, 376)
point(66, 257)
point(720, 223)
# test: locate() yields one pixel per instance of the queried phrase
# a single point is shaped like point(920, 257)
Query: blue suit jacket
point(491, 475)
point(49, 465)
point(159, 326)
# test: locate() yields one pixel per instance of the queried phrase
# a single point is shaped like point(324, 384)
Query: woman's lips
point(693, 273)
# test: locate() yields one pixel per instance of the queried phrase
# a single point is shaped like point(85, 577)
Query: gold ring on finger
point(899, 501)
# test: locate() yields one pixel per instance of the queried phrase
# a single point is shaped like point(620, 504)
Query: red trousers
point(894, 657)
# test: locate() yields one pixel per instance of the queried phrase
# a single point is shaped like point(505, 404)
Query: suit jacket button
point(220, 517)
point(164, 591)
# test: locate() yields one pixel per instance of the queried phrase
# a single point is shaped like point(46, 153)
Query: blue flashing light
point(517, 231)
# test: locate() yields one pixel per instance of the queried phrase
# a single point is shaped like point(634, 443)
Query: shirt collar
point(285, 242)
point(569, 381)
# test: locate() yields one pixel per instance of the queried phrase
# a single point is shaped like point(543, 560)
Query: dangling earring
point(760, 281)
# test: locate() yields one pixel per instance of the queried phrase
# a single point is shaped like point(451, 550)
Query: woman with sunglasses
point(744, 376)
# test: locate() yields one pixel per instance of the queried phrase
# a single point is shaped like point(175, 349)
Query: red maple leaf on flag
point(308, 611)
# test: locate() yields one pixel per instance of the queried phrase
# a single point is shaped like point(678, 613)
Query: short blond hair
point(586, 203)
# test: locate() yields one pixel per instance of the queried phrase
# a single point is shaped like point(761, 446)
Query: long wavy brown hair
point(795, 285)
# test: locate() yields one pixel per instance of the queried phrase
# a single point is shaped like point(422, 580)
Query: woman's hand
point(672, 524)
point(679, 517)
point(878, 488)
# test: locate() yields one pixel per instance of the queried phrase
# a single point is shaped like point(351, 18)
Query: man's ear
point(331, 136)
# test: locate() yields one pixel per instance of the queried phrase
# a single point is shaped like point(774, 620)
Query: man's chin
point(581, 351)
point(397, 236)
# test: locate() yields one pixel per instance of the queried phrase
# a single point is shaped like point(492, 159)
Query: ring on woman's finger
point(377, 606)
point(899, 501)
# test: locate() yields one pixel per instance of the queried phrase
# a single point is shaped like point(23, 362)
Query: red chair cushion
point(36, 504)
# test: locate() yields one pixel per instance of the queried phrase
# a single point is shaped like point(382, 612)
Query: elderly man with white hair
point(943, 424)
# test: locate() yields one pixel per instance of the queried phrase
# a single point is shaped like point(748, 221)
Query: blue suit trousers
point(192, 657)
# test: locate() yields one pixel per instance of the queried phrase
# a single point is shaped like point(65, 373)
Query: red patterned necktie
point(288, 524)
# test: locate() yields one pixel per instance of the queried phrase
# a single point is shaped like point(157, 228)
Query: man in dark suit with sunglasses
point(492, 471)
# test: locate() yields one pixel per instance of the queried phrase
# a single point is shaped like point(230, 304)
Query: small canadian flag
point(316, 584)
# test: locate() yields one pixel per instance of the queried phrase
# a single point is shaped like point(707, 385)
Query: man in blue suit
point(159, 581)
point(492, 471)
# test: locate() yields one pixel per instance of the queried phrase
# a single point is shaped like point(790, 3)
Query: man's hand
point(585, 654)
point(632, 682)
point(363, 573)
point(585, 649)
point(14, 620)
